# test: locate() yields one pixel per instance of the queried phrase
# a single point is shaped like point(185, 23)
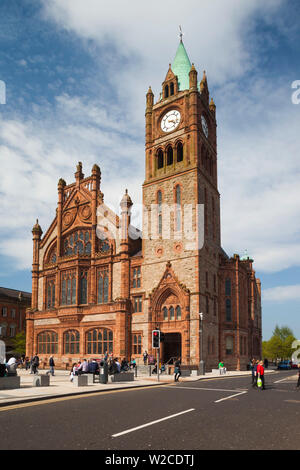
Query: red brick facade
point(13, 305)
point(95, 287)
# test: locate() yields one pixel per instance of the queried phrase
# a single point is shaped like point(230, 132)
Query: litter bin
point(103, 374)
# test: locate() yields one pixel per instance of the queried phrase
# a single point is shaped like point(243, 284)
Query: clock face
point(204, 126)
point(170, 120)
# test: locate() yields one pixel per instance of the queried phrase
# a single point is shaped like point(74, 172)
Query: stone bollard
point(80, 380)
point(41, 380)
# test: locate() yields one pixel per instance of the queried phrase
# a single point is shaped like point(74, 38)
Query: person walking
point(254, 385)
point(51, 366)
point(252, 368)
point(261, 374)
point(177, 370)
point(298, 383)
point(35, 363)
point(145, 357)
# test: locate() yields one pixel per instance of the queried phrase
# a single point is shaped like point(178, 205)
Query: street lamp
point(202, 363)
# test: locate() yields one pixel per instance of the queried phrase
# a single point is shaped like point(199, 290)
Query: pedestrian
point(254, 384)
point(51, 366)
point(83, 368)
point(261, 374)
point(252, 367)
point(298, 383)
point(221, 367)
point(177, 370)
point(35, 363)
point(145, 357)
point(133, 363)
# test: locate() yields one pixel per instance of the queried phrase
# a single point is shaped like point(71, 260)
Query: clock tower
point(181, 228)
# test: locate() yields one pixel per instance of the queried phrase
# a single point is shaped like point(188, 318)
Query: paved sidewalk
point(61, 386)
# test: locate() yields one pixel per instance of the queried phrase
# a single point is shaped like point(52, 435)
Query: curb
point(86, 392)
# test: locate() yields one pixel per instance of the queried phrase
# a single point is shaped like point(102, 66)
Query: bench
point(219, 371)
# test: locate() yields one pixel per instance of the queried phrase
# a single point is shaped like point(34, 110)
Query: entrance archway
point(171, 347)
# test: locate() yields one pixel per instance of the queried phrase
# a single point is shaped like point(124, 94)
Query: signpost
point(156, 345)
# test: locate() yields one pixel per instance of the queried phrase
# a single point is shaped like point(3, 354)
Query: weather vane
point(181, 33)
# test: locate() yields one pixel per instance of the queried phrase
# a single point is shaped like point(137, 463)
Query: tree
point(19, 343)
point(279, 345)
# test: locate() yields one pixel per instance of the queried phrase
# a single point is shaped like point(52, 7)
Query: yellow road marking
point(73, 397)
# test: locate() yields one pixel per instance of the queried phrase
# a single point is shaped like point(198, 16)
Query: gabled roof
point(14, 294)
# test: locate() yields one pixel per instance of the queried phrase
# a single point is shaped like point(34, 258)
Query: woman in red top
point(261, 374)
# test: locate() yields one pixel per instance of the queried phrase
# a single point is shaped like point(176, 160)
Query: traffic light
point(155, 339)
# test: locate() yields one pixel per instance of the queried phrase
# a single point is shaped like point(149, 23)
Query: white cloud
point(257, 125)
point(282, 293)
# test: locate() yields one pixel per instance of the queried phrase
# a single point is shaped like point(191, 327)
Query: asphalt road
point(213, 414)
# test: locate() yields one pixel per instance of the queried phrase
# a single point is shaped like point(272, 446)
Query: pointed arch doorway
point(171, 347)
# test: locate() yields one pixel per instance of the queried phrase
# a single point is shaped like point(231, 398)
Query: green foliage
point(279, 345)
point(19, 343)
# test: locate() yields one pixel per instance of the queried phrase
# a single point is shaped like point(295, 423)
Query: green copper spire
point(181, 67)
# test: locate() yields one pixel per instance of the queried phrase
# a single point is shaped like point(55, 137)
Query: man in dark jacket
point(51, 365)
point(35, 363)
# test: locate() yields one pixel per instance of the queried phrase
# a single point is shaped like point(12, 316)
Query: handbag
point(259, 382)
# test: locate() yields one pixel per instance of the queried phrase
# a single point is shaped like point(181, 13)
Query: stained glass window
point(103, 285)
point(68, 288)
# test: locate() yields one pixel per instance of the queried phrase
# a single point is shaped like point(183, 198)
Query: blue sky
point(76, 74)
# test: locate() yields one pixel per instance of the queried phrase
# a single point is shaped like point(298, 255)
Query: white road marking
point(231, 396)
point(209, 389)
point(152, 422)
point(287, 378)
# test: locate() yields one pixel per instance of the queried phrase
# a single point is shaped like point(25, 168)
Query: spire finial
point(180, 33)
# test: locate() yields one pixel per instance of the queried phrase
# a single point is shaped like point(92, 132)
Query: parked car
point(294, 365)
point(284, 365)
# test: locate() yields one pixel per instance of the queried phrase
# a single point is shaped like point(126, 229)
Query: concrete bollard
point(80, 380)
point(41, 380)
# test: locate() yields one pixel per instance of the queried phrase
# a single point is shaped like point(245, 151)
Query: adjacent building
point(13, 305)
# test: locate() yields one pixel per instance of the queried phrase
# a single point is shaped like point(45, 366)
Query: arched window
point(83, 287)
point(178, 208)
point(171, 310)
point(166, 91)
point(78, 243)
point(165, 313)
point(103, 285)
point(71, 342)
point(50, 302)
point(47, 342)
point(171, 88)
point(159, 203)
point(52, 255)
point(160, 159)
point(170, 155)
point(228, 310)
point(179, 151)
point(178, 312)
point(98, 341)
point(229, 345)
